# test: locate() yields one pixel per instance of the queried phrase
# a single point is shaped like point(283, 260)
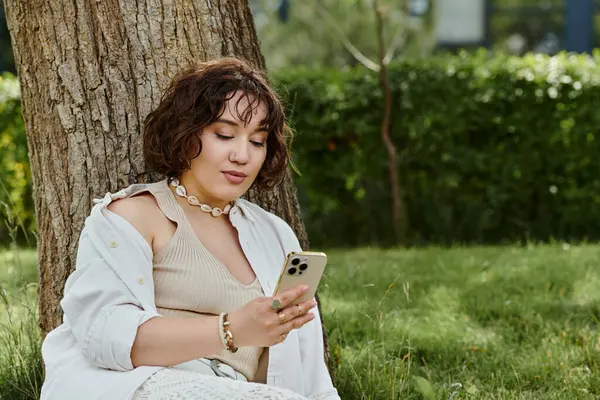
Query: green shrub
point(16, 203)
point(491, 149)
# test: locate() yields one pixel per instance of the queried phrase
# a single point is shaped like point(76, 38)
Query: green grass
point(476, 323)
point(20, 354)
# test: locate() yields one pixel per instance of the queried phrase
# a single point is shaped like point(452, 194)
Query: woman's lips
point(234, 178)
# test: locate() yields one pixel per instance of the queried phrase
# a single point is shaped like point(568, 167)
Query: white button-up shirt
point(111, 293)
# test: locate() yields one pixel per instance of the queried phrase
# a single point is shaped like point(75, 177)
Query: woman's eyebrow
point(236, 125)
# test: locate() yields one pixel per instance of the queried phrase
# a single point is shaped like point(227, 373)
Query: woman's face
point(231, 157)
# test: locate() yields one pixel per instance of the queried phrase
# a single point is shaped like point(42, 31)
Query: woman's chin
point(230, 195)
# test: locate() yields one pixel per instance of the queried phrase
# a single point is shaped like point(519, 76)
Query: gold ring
point(283, 336)
point(300, 309)
point(281, 316)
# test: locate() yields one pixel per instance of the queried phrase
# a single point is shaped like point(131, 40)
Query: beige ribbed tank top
point(189, 280)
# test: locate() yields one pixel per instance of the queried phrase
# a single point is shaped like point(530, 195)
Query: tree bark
point(90, 71)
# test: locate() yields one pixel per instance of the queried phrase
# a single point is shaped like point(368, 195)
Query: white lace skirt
point(171, 384)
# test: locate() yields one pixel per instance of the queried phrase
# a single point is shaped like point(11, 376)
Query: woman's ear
point(195, 147)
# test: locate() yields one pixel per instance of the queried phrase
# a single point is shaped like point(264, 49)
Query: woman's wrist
point(236, 330)
point(221, 331)
point(227, 337)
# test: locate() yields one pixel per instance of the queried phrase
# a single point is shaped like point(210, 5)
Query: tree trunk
point(399, 214)
point(90, 71)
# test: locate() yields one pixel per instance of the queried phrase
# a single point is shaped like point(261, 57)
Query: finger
point(287, 297)
point(296, 323)
point(281, 318)
point(279, 339)
point(296, 310)
point(308, 305)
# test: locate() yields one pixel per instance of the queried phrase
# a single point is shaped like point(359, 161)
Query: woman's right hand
point(257, 324)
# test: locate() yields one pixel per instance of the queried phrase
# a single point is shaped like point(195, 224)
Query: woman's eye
point(257, 144)
point(223, 137)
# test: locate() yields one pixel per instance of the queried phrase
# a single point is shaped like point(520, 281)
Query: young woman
point(172, 293)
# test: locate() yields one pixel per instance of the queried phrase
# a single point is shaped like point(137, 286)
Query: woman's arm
point(116, 332)
point(170, 341)
point(165, 341)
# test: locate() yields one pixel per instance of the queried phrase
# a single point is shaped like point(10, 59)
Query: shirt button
point(141, 281)
point(113, 244)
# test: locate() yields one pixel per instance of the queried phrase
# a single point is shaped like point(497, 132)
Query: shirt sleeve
point(101, 311)
point(319, 385)
point(317, 378)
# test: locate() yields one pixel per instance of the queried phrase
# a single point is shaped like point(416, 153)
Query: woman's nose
point(240, 153)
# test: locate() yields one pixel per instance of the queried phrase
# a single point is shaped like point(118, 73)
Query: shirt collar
point(245, 210)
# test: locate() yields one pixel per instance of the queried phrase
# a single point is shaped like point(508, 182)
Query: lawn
point(477, 323)
point(20, 356)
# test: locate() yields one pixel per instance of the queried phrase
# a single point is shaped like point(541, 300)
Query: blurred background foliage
point(299, 33)
point(497, 142)
point(492, 148)
point(310, 32)
point(6, 55)
point(16, 201)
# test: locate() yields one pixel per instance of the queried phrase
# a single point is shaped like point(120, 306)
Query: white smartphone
point(302, 268)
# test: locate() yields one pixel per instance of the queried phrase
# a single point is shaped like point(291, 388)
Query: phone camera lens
point(303, 267)
point(295, 261)
point(292, 271)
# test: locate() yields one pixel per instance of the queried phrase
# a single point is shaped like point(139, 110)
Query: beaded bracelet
point(221, 333)
point(225, 333)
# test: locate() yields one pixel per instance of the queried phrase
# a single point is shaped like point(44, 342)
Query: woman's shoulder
point(138, 206)
point(139, 211)
point(135, 208)
point(135, 201)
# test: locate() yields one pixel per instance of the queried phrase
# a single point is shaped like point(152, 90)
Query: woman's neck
point(193, 188)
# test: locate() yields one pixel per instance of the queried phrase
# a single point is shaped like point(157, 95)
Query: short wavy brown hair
point(195, 99)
